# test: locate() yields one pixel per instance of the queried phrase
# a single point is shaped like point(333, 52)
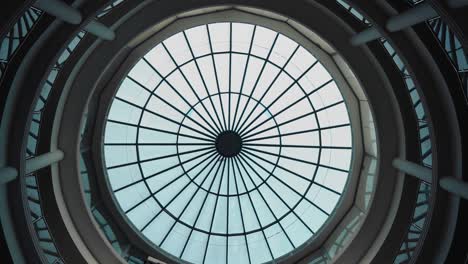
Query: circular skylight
point(228, 143)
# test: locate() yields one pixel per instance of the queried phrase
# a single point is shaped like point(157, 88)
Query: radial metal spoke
point(216, 77)
point(285, 184)
point(284, 109)
point(180, 96)
point(218, 158)
point(229, 161)
point(245, 139)
point(246, 67)
point(269, 207)
point(246, 135)
point(152, 93)
point(296, 159)
point(213, 156)
point(166, 118)
point(158, 144)
point(164, 208)
point(220, 163)
point(160, 130)
point(217, 129)
point(283, 168)
point(266, 60)
point(203, 80)
point(158, 158)
point(255, 212)
point(230, 83)
point(291, 209)
point(283, 69)
point(161, 172)
point(240, 209)
point(214, 212)
point(296, 146)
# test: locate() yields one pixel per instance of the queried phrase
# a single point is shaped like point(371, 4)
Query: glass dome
point(228, 143)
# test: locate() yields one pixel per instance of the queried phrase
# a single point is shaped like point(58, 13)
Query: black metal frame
point(240, 128)
point(295, 256)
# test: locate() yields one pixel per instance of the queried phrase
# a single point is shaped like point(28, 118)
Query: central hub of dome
point(228, 144)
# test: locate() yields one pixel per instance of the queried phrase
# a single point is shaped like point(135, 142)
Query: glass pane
point(228, 143)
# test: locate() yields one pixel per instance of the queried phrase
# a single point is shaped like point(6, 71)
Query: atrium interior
point(241, 131)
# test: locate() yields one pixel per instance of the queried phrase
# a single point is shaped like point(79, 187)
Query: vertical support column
point(43, 161)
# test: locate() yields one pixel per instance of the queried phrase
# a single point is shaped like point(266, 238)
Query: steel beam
point(71, 15)
point(413, 169)
point(408, 18)
point(457, 3)
point(100, 30)
point(8, 174)
point(43, 161)
point(60, 10)
point(365, 36)
point(455, 186)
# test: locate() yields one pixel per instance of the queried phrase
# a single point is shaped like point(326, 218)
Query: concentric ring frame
point(358, 192)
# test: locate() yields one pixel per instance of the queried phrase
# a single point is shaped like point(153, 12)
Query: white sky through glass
point(173, 183)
